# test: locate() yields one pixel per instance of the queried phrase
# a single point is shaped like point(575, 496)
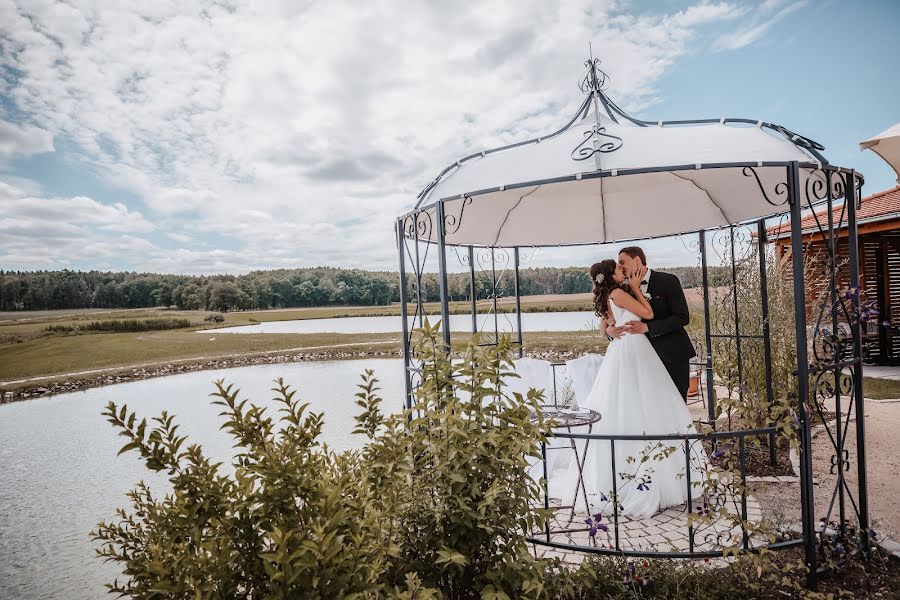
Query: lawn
point(880, 389)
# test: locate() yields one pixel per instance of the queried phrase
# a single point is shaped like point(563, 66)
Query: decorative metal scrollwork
point(493, 265)
point(462, 258)
point(583, 152)
point(595, 79)
point(452, 222)
point(780, 192)
point(842, 463)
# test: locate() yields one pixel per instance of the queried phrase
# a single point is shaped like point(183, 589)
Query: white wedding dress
point(634, 395)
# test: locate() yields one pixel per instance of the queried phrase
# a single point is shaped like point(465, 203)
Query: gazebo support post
point(442, 274)
point(710, 387)
point(737, 319)
point(767, 342)
point(836, 372)
point(472, 299)
point(850, 199)
point(519, 308)
point(420, 308)
point(401, 247)
point(806, 484)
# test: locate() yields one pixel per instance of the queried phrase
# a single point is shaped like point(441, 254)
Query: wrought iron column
point(837, 354)
point(710, 388)
point(401, 246)
point(519, 306)
point(767, 342)
point(737, 317)
point(851, 199)
point(472, 302)
point(442, 274)
point(806, 484)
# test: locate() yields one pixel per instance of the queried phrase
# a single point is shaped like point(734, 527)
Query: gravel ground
point(883, 466)
point(781, 502)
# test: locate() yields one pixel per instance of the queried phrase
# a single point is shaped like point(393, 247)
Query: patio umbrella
point(886, 145)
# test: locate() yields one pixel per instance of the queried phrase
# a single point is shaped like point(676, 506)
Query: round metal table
point(567, 419)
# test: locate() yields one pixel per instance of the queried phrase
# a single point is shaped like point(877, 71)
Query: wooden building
point(878, 227)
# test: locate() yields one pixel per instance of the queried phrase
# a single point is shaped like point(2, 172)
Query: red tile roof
point(875, 207)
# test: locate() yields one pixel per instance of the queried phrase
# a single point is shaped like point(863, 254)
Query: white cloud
point(78, 210)
point(23, 140)
point(179, 237)
point(758, 26)
point(299, 131)
point(37, 232)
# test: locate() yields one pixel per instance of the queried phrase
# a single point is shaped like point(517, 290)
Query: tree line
point(284, 288)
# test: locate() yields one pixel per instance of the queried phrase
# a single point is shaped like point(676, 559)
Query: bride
point(634, 395)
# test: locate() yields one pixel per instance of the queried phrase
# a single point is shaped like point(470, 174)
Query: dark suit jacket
point(670, 316)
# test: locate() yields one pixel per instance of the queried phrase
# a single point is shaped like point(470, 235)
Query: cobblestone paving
point(666, 531)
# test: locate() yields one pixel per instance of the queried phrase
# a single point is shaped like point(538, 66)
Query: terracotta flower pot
point(694, 385)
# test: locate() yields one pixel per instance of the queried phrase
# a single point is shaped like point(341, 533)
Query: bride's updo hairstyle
point(604, 284)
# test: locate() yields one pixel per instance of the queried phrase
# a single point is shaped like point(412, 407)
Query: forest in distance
point(283, 288)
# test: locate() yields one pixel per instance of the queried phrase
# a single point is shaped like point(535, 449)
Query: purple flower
point(642, 486)
point(796, 419)
point(873, 534)
point(603, 497)
point(886, 323)
point(718, 454)
point(839, 549)
point(603, 527)
point(592, 525)
point(598, 517)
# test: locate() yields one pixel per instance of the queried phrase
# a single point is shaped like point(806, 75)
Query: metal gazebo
point(581, 185)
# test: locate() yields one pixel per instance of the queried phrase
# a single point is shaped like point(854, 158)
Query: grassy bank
point(38, 344)
point(880, 389)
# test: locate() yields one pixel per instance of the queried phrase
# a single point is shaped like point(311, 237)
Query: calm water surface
point(554, 321)
point(59, 474)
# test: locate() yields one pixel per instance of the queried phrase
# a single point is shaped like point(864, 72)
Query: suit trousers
point(680, 372)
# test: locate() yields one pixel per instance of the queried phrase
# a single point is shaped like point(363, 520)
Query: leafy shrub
point(123, 326)
point(435, 505)
point(215, 318)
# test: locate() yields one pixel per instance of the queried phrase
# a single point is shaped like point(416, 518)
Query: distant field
point(541, 303)
point(28, 350)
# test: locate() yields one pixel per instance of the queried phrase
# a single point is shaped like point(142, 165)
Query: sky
point(231, 136)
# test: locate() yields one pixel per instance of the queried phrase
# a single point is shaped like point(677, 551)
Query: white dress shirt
point(645, 282)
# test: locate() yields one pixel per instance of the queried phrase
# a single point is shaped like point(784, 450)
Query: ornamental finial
point(594, 80)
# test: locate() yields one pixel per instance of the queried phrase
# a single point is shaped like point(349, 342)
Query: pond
point(552, 321)
point(60, 475)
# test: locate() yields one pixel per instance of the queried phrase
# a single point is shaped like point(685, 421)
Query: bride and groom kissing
point(640, 390)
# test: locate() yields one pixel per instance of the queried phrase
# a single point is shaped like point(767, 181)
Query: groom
point(670, 316)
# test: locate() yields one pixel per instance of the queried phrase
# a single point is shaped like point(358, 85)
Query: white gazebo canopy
point(886, 145)
point(608, 177)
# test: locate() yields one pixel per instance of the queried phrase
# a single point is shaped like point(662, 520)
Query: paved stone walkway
point(664, 532)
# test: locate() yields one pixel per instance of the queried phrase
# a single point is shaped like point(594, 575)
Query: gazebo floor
point(666, 531)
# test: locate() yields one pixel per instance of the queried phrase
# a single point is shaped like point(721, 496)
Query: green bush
point(123, 326)
point(435, 505)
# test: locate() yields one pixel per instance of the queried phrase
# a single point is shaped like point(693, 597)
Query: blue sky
point(231, 136)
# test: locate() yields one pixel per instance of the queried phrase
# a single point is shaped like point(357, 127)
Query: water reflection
point(59, 474)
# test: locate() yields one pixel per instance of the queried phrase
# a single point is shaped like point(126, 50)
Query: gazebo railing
point(708, 502)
